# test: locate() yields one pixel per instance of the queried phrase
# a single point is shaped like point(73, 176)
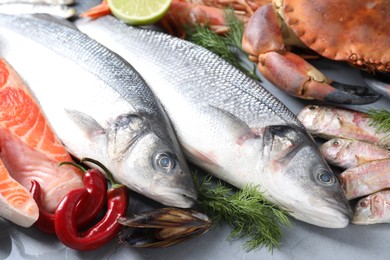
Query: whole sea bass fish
point(228, 124)
point(98, 105)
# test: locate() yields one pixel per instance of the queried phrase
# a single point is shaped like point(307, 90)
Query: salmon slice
point(29, 148)
point(16, 202)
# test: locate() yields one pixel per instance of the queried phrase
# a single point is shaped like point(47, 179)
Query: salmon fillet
point(29, 148)
point(16, 202)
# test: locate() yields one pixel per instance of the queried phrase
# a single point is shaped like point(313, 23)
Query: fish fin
point(246, 132)
point(87, 123)
point(200, 158)
point(123, 132)
point(361, 160)
point(231, 116)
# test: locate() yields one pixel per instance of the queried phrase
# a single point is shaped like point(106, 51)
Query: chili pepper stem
point(108, 173)
point(73, 164)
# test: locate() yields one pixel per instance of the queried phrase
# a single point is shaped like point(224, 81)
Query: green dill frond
point(227, 46)
point(245, 210)
point(380, 119)
point(236, 29)
point(215, 43)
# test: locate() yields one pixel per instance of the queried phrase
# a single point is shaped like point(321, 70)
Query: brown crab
point(343, 30)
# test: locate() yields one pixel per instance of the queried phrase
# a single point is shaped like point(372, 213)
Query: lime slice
point(139, 12)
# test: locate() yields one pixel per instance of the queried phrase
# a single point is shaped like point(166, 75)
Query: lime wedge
point(139, 12)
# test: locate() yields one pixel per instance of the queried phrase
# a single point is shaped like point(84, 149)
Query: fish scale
point(98, 105)
point(228, 124)
point(180, 56)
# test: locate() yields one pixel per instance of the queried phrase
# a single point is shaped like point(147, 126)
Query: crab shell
point(356, 31)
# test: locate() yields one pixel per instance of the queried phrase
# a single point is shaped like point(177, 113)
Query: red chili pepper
point(103, 231)
point(98, 235)
point(88, 209)
point(45, 220)
point(96, 185)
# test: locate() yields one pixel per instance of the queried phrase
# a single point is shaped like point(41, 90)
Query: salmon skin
point(228, 124)
point(98, 105)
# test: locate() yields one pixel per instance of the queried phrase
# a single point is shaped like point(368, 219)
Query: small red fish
point(348, 153)
point(330, 122)
point(366, 178)
point(373, 209)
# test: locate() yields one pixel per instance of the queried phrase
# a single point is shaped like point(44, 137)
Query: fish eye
point(164, 161)
point(363, 203)
point(324, 176)
point(336, 143)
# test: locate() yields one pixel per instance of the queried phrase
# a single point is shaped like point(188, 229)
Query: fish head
point(149, 163)
point(297, 178)
point(334, 149)
point(369, 210)
point(317, 119)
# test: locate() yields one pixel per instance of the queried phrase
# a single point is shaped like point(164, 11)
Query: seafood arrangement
point(142, 103)
point(266, 140)
point(361, 150)
point(134, 135)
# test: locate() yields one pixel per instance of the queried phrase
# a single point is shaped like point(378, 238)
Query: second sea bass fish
point(228, 124)
point(98, 105)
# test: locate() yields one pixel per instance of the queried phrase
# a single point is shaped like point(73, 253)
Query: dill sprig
point(215, 43)
point(245, 210)
point(380, 119)
point(227, 46)
point(236, 29)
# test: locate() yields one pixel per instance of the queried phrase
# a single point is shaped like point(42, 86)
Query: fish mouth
point(332, 215)
point(177, 198)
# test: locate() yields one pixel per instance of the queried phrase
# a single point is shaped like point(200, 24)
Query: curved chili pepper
point(96, 185)
point(45, 220)
point(87, 210)
point(103, 231)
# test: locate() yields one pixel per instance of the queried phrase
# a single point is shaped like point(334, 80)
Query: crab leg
point(379, 83)
point(182, 14)
point(264, 43)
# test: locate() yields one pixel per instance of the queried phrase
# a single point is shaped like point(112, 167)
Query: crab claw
point(380, 83)
point(299, 78)
point(162, 227)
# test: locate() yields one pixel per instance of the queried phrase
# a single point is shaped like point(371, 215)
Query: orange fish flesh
point(29, 148)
